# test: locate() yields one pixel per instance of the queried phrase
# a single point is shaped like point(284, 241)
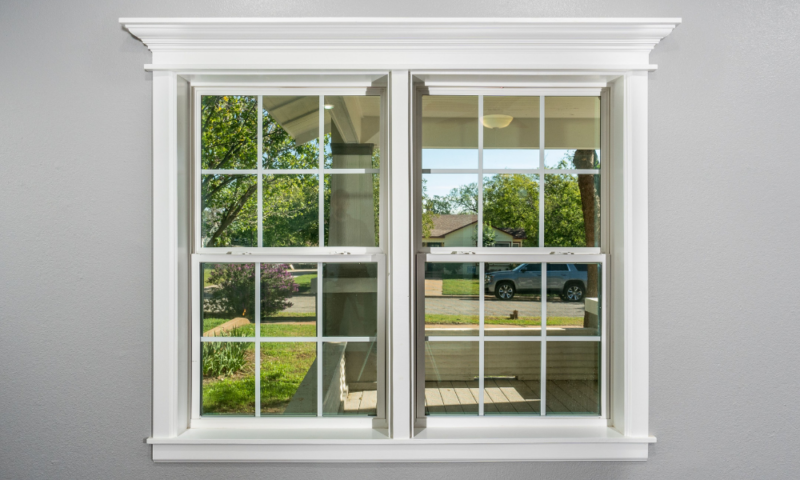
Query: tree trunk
point(586, 159)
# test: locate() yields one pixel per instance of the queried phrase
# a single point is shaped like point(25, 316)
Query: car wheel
point(504, 291)
point(573, 292)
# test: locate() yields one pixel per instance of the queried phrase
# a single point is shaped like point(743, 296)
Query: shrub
point(235, 295)
point(224, 358)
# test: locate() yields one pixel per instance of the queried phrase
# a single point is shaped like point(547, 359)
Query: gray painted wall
point(75, 240)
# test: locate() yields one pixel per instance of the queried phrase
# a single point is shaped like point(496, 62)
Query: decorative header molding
point(361, 43)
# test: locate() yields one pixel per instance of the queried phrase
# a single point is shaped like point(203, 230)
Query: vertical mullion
point(481, 346)
point(321, 169)
point(258, 333)
point(480, 171)
point(541, 171)
point(260, 159)
point(543, 374)
point(319, 339)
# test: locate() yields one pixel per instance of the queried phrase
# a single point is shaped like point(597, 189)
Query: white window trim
point(534, 53)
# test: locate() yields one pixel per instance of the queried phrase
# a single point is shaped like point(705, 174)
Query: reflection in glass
point(352, 210)
point(572, 132)
point(352, 131)
point(229, 210)
point(228, 293)
point(229, 126)
point(289, 378)
point(451, 378)
point(349, 378)
point(288, 300)
point(573, 378)
point(510, 132)
point(512, 371)
point(449, 210)
point(290, 131)
point(573, 303)
point(572, 211)
point(350, 299)
point(451, 299)
point(291, 210)
point(511, 209)
point(512, 304)
point(229, 386)
point(450, 131)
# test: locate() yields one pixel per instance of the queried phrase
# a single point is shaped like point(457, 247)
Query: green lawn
point(283, 367)
point(304, 282)
point(440, 319)
point(460, 286)
point(271, 327)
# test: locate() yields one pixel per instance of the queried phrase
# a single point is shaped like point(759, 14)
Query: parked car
point(565, 279)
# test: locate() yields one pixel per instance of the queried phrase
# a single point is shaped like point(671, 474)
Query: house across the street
point(461, 231)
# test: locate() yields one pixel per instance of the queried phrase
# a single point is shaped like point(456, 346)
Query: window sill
point(428, 445)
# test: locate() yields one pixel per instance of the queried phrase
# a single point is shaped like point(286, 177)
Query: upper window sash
point(486, 106)
point(355, 118)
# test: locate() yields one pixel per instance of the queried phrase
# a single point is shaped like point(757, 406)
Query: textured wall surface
point(75, 233)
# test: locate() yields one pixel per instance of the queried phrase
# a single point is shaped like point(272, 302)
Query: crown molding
point(362, 43)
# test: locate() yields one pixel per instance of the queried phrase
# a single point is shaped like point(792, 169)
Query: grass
point(461, 286)
point(283, 368)
point(441, 319)
point(279, 325)
point(304, 282)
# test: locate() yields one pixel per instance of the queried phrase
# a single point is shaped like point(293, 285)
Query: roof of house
point(445, 224)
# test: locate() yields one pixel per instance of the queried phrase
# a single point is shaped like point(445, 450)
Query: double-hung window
point(289, 275)
point(400, 239)
point(510, 333)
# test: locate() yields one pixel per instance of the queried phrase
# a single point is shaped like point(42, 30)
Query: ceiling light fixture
point(496, 121)
point(328, 106)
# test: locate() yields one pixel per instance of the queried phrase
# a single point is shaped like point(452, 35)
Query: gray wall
point(75, 240)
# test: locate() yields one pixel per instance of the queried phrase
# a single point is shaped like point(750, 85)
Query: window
point(503, 339)
point(280, 336)
point(333, 205)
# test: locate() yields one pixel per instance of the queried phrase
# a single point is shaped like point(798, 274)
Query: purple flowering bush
point(235, 292)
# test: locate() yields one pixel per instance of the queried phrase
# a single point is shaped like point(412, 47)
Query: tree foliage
point(233, 294)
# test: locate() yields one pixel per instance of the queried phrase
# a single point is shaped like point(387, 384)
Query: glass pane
point(450, 132)
point(352, 131)
point(512, 304)
point(289, 378)
point(573, 301)
point(290, 131)
point(572, 132)
point(229, 384)
point(573, 378)
point(511, 210)
point(452, 296)
point(288, 300)
point(229, 136)
point(349, 378)
point(451, 378)
point(350, 299)
point(229, 299)
point(291, 210)
point(449, 210)
point(510, 132)
point(230, 210)
point(352, 210)
point(512, 371)
point(572, 211)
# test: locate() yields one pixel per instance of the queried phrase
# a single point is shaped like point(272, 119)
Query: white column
point(400, 265)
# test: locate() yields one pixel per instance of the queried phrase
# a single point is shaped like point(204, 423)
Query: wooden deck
point(511, 396)
point(361, 403)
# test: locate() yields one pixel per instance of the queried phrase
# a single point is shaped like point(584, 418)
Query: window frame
point(546, 53)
